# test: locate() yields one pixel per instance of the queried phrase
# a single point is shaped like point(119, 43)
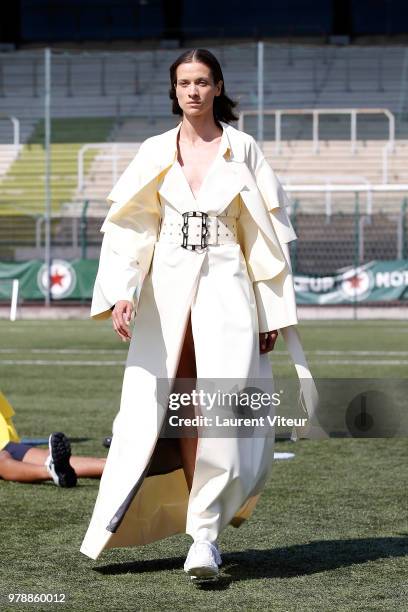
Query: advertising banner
point(377, 281)
point(72, 280)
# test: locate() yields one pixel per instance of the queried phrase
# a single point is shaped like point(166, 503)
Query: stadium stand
point(22, 188)
point(111, 102)
point(121, 84)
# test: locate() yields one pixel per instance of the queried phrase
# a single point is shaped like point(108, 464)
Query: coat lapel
point(175, 190)
point(222, 184)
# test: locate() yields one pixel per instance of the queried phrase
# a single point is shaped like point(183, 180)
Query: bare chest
point(195, 164)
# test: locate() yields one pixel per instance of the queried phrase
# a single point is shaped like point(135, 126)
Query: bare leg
point(187, 369)
point(88, 467)
point(85, 467)
point(20, 471)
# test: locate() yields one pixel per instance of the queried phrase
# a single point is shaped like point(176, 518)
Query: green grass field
point(329, 533)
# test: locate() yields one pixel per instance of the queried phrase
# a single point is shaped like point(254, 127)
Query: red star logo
point(355, 281)
point(56, 279)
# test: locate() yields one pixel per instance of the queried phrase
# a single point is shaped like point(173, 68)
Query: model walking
point(198, 225)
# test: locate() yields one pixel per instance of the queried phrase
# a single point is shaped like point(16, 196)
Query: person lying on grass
point(25, 463)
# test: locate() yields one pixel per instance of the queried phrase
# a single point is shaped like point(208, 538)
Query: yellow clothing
point(7, 430)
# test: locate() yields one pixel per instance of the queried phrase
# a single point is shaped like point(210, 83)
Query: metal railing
point(386, 151)
point(326, 182)
point(316, 112)
point(114, 156)
point(16, 128)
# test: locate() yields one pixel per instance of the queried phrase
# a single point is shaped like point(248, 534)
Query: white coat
point(233, 292)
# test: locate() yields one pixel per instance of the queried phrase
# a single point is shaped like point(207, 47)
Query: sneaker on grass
point(57, 462)
point(202, 561)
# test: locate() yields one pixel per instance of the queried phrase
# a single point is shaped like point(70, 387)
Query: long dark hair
point(223, 105)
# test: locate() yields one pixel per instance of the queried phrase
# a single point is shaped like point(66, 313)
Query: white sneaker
point(202, 560)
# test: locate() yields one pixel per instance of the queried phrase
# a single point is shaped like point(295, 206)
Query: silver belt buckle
point(203, 236)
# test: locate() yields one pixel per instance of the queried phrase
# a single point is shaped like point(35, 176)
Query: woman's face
point(195, 89)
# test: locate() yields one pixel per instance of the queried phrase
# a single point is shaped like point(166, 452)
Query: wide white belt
point(195, 232)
